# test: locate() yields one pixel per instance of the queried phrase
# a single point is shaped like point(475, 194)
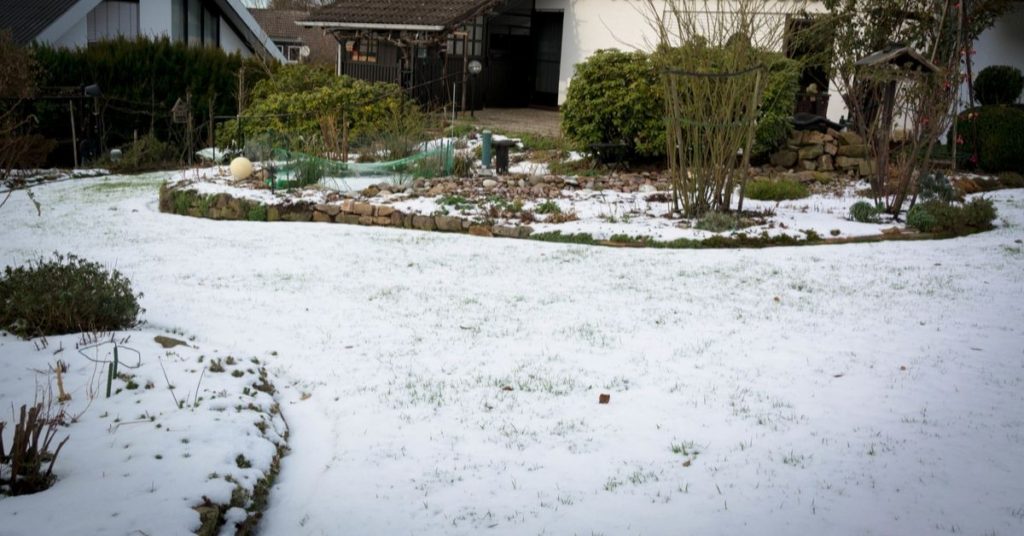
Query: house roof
point(280, 26)
point(421, 15)
point(28, 18)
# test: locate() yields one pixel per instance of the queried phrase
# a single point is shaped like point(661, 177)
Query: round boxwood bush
point(993, 138)
point(775, 190)
point(998, 84)
point(65, 294)
point(615, 97)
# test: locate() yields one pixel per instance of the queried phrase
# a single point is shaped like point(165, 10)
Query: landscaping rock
point(825, 163)
point(330, 210)
point(362, 209)
point(423, 223)
point(855, 151)
point(490, 184)
point(845, 162)
point(384, 210)
point(813, 137)
point(811, 152)
point(480, 230)
point(451, 224)
point(786, 158)
point(505, 231)
point(322, 217)
point(849, 138)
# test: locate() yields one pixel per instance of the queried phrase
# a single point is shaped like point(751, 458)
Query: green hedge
point(617, 97)
point(993, 138)
point(141, 80)
point(298, 101)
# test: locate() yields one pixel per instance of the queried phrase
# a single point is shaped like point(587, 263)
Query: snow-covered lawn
point(439, 383)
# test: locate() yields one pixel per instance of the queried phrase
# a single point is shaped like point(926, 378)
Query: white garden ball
point(241, 168)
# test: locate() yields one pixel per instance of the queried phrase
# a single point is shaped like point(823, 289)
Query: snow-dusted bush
point(864, 212)
point(65, 294)
point(952, 218)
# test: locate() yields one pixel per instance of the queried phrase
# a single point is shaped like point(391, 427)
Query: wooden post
point(74, 135)
point(883, 136)
point(188, 127)
point(465, 67)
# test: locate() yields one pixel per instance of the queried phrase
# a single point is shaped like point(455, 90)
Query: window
point(291, 51)
point(195, 22)
point(362, 50)
point(474, 39)
point(113, 19)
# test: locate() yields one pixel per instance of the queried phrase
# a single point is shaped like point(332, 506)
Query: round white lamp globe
point(241, 168)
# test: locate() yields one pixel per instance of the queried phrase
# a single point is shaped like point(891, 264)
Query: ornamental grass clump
point(27, 465)
point(65, 294)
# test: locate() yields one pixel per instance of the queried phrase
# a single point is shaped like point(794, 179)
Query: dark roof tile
point(26, 19)
point(444, 13)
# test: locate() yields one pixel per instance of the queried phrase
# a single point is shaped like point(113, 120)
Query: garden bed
point(614, 208)
point(187, 441)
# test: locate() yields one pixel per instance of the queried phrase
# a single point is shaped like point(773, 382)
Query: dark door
point(547, 39)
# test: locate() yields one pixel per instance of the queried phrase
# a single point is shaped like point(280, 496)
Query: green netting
point(295, 169)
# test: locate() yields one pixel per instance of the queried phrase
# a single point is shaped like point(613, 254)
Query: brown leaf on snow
point(604, 398)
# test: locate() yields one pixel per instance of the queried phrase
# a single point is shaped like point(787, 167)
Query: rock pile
point(826, 151)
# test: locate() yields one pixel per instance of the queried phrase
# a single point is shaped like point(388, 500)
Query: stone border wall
point(223, 206)
point(826, 152)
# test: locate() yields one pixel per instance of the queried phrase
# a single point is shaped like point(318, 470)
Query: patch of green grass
point(257, 212)
point(112, 186)
point(775, 190)
point(455, 201)
point(539, 142)
point(548, 207)
point(739, 240)
point(719, 222)
point(685, 448)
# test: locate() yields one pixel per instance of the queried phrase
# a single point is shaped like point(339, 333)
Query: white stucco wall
point(230, 42)
point(591, 25)
point(1002, 44)
point(155, 18)
point(76, 36)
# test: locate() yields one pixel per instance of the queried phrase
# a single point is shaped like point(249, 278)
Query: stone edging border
point(223, 206)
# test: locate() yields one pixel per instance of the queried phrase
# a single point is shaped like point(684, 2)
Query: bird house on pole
point(179, 113)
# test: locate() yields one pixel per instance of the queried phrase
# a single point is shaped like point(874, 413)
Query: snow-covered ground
point(448, 384)
point(175, 429)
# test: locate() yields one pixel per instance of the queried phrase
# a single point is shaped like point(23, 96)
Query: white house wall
point(230, 41)
point(155, 18)
point(76, 36)
point(1002, 44)
point(592, 25)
